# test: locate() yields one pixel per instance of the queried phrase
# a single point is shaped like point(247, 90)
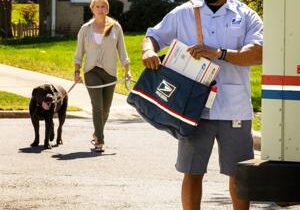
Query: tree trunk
point(5, 18)
point(45, 17)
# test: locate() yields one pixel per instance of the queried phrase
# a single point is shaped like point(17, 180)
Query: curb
point(74, 115)
point(25, 114)
point(14, 114)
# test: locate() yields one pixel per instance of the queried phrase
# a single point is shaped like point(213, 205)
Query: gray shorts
point(235, 145)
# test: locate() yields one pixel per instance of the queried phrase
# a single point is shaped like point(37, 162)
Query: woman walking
point(101, 40)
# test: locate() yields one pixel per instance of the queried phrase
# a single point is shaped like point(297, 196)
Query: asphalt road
point(136, 172)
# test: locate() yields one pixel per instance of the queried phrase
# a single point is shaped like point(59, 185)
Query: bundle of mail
point(179, 60)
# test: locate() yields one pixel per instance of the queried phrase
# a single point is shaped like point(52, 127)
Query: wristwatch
point(223, 54)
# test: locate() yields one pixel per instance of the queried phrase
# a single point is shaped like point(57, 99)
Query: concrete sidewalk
point(21, 82)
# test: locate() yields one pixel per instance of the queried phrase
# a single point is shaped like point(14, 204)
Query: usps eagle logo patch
point(165, 90)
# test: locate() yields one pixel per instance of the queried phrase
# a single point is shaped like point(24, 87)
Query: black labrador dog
point(47, 100)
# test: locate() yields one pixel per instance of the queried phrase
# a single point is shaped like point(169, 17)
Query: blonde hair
point(110, 21)
point(92, 4)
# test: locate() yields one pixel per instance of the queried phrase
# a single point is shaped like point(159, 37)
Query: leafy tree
point(116, 9)
point(28, 13)
point(256, 5)
point(44, 17)
point(5, 18)
point(145, 13)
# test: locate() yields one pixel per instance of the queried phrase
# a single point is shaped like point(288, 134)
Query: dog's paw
point(58, 142)
point(47, 146)
point(34, 144)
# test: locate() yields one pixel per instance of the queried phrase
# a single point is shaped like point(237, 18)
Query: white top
point(233, 26)
point(98, 37)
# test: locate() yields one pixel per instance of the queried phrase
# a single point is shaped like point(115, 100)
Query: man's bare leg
point(191, 192)
point(237, 203)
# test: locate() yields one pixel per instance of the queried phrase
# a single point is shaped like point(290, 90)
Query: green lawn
point(11, 101)
point(55, 57)
point(256, 72)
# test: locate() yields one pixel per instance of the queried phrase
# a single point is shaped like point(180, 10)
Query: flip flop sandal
point(99, 149)
point(93, 142)
point(98, 146)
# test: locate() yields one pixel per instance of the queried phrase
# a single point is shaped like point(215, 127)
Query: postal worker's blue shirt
point(233, 26)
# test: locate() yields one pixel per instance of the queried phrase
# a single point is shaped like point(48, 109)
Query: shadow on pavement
point(77, 155)
point(267, 205)
point(220, 201)
point(37, 149)
point(125, 121)
point(224, 201)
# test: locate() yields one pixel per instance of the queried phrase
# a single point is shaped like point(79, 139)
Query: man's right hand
point(151, 59)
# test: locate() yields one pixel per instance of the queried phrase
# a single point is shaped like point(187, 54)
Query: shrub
point(28, 13)
point(145, 13)
point(256, 5)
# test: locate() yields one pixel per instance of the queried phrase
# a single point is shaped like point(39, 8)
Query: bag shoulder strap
point(198, 24)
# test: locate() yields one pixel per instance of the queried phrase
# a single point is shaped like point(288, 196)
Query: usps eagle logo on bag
point(165, 90)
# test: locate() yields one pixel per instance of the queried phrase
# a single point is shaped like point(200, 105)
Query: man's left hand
point(198, 51)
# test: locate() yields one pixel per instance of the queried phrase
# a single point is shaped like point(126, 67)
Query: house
point(65, 17)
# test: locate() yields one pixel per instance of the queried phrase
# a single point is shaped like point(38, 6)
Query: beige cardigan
point(103, 55)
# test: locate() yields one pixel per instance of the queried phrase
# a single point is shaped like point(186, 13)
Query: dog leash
point(59, 98)
point(72, 87)
point(127, 84)
point(105, 85)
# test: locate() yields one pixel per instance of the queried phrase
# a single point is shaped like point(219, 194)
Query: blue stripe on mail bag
point(169, 101)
